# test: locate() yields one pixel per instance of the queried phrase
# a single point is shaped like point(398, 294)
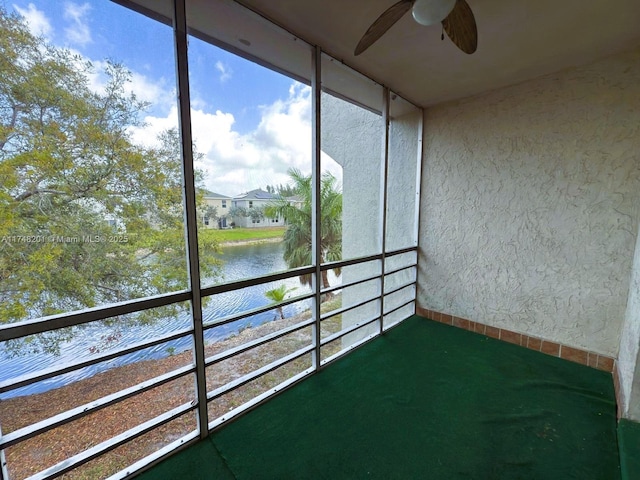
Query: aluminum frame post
point(4, 471)
point(383, 199)
point(418, 207)
point(316, 212)
point(190, 214)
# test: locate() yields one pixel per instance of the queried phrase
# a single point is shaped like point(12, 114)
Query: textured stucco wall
point(629, 356)
point(353, 137)
point(530, 205)
point(401, 207)
point(401, 180)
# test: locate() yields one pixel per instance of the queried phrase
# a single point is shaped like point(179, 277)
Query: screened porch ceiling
point(516, 40)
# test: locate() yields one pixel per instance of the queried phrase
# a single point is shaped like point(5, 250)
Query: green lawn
point(243, 234)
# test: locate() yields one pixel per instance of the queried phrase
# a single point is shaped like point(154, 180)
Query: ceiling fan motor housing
point(430, 12)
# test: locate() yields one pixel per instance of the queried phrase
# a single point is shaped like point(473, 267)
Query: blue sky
point(251, 124)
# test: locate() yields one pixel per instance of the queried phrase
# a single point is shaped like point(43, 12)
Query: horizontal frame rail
point(342, 310)
point(400, 251)
point(389, 326)
point(401, 287)
point(156, 456)
point(239, 316)
point(367, 259)
point(260, 398)
point(377, 276)
point(114, 442)
point(63, 418)
point(252, 282)
point(72, 319)
point(353, 346)
point(395, 309)
point(400, 269)
point(349, 262)
point(348, 330)
point(62, 320)
point(238, 382)
point(256, 343)
point(34, 377)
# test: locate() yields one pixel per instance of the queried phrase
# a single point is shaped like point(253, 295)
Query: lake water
point(240, 262)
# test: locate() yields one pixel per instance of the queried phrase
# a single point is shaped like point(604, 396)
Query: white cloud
point(147, 135)
point(78, 31)
point(37, 21)
point(234, 163)
point(147, 90)
point(225, 71)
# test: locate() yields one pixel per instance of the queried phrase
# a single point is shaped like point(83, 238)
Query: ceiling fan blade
point(382, 24)
point(460, 26)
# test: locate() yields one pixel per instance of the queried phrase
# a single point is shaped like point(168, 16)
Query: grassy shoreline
point(240, 243)
point(244, 236)
point(44, 450)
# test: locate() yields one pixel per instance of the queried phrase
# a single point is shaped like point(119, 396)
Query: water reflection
point(240, 262)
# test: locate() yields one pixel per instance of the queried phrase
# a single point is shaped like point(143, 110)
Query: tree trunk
point(325, 284)
point(325, 279)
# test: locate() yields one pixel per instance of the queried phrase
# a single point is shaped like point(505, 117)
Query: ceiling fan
point(456, 17)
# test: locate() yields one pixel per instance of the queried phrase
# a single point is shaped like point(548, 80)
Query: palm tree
point(297, 236)
point(277, 295)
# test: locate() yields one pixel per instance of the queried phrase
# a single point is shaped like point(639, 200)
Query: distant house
point(216, 212)
point(296, 201)
point(252, 205)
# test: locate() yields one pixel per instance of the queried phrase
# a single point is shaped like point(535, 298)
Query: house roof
point(257, 194)
point(210, 194)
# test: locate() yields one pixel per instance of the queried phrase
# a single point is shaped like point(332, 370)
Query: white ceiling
point(517, 40)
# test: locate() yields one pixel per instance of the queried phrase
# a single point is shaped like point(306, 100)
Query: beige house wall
point(222, 211)
point(247, 222)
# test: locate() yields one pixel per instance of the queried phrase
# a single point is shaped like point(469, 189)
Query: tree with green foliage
point(297, 236)
point(256, 213)
point(238, 212)
point(87, 216)
point(277, 295)
point(210, 215)
point(285, 190)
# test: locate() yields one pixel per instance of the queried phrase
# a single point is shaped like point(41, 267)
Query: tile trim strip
point(584, 357)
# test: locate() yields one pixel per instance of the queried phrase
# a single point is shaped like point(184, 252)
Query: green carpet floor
point(425, 401)
point(200, 461)
point(629, 441)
